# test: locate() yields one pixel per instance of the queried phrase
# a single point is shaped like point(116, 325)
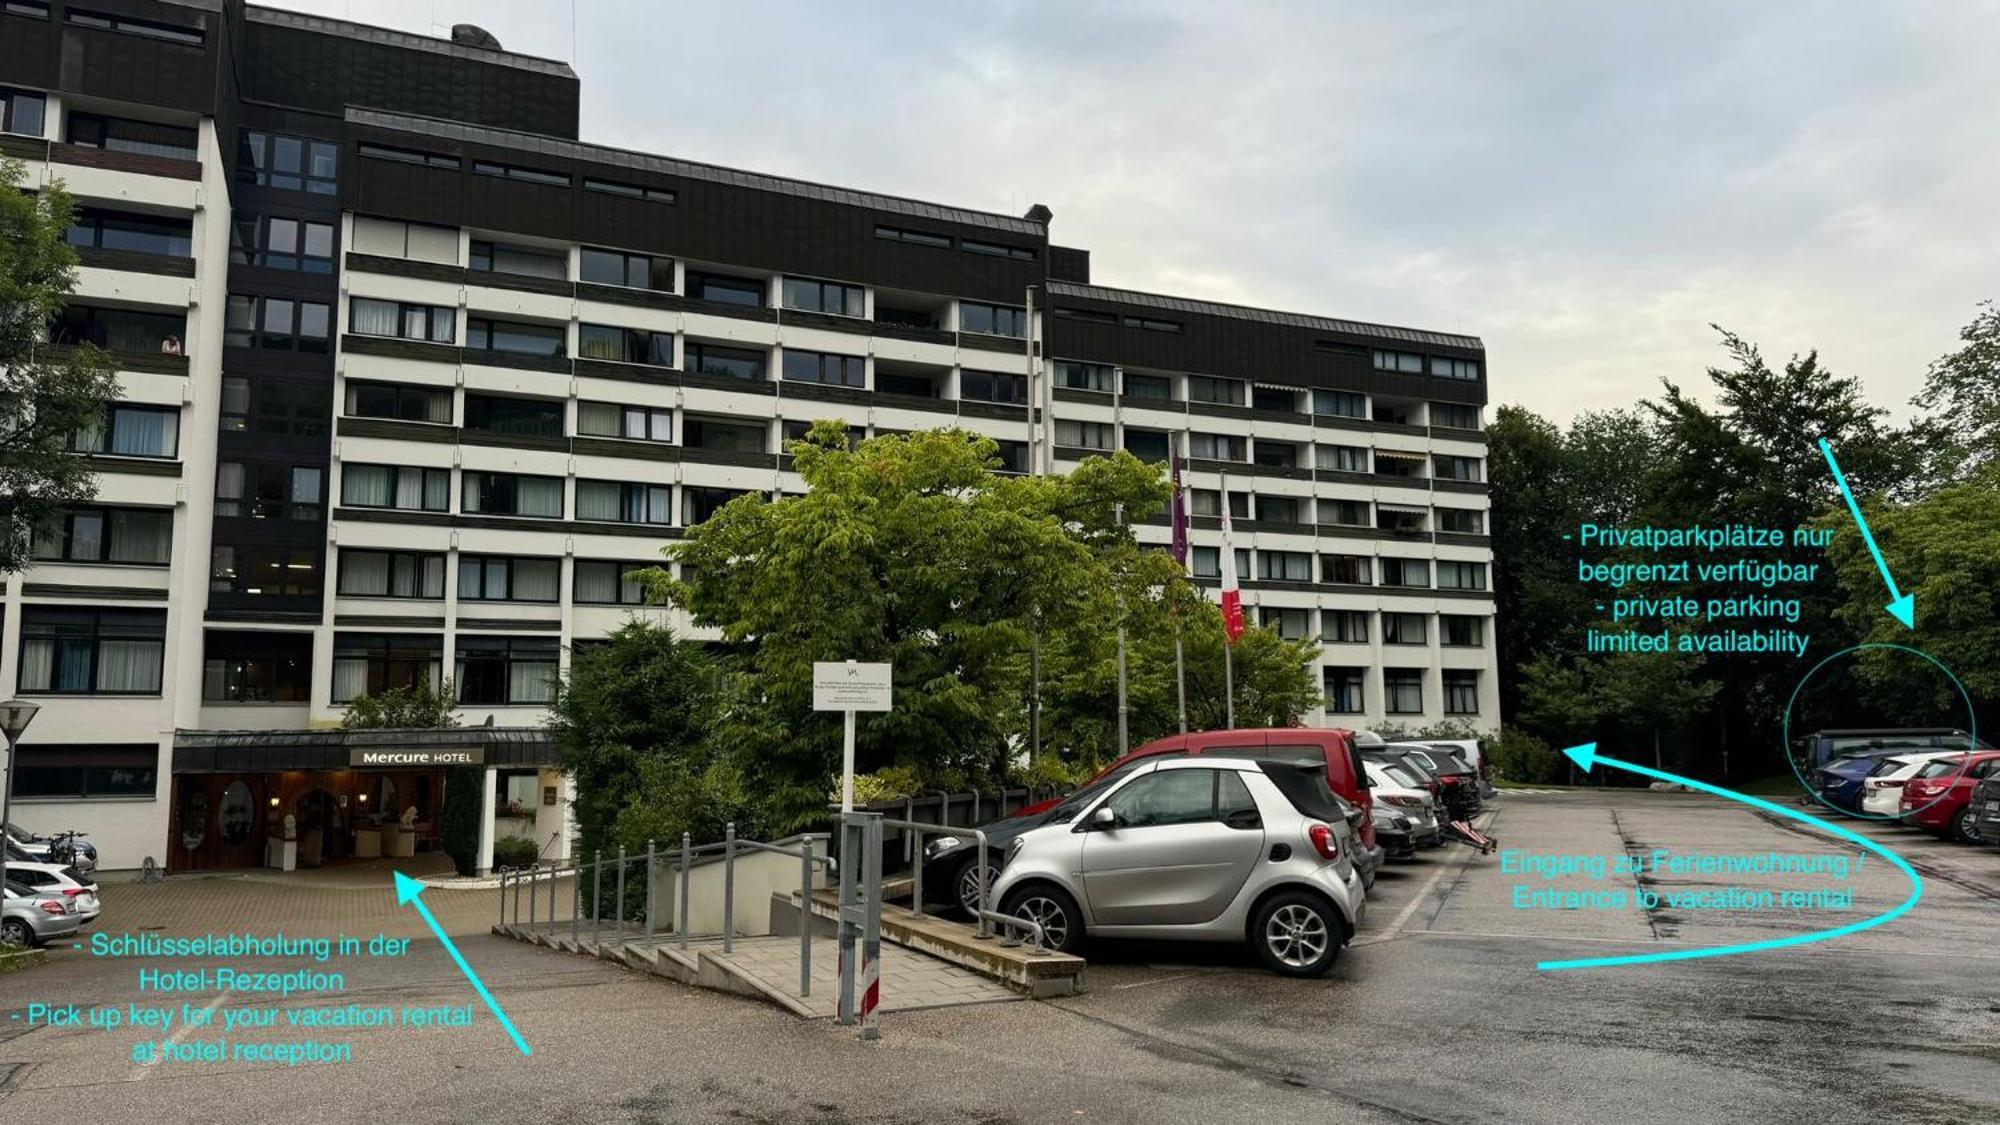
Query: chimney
point(1039, 214)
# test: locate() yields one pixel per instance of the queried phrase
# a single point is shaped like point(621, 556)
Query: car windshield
point(1942, 767)
point(1397, 775)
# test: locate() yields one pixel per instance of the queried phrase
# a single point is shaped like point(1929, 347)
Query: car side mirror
point(1104, 818)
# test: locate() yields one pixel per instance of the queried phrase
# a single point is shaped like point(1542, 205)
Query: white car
point(1391, 787)
point(1882, 790)
point(59, 879)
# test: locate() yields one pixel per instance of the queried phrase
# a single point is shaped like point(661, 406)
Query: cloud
point(1585, 186)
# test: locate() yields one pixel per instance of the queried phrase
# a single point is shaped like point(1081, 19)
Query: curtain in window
point(229, 481)
point(38, 660)
point(140, 537)
point(373, 318)
point(531, 680)
point(537, 580)
point(600, 419)
point(89, 439)
point(129, 665)
point(539, 496)
point(364, 485)
point(596, 582)
point(597, 500)
point(364, 573)
point(409, 489)
point(145, 433)
point(350, 678)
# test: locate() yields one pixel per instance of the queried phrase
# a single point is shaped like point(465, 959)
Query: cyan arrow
point(1586, 756)
point(407, 892)
point(1902, 607)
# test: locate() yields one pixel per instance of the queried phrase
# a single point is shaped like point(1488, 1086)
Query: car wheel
point(1963, 830)
point(1051, 909)
point(967, 884)
point(1297, 934)
point(13, 931)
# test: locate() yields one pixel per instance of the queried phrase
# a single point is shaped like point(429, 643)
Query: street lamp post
point(15, 715)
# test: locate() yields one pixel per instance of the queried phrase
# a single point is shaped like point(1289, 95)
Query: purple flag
point(1180, 512)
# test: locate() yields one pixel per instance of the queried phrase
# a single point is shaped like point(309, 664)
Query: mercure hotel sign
point(392, 758)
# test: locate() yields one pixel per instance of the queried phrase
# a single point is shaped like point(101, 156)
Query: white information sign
point(846, 685)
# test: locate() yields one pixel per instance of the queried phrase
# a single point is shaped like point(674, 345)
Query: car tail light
point(1874, 783)
point(1323, 842)
point(54, 906)
point(1407, 802)
point(75, 891)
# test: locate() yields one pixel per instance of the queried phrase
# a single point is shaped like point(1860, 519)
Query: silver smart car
point(1200, 849)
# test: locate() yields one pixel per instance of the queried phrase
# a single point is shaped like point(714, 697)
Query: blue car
point(1840, 781)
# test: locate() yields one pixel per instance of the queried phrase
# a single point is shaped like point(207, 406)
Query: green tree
point(417, 706)
point(1540, 608)
point(46, 393)
point(634, 724)
point(1961, 400)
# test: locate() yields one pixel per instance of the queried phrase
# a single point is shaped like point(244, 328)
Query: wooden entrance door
point(217, 821)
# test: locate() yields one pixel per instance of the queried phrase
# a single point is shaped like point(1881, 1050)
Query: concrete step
point(1021, 967)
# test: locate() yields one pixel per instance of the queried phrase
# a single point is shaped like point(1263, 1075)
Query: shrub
point(515, 851)
point(1521, 757)
point(458, 824)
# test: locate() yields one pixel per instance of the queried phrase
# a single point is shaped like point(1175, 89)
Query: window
point(134, 536)
point(395, 486)
point(611, 501)
point(825, 367)
point(634, 423)
point(1345, 570)
point(1279, 509)
point(79, 651)
point(494, 578)
point(1276, 454)
point(1011, 455)
point(1403, 629)
point(256, 667)
point(1163, 797)
point(132, 431)
point(1208, 502)
point(85, 771)
point(631, 191)
point(993, 386)
point(1343, 626)
point(633, 271)
point(1206, 562)
point(513, 494)
point(1291, 624)
point(22, 111)
point(715, 433)
point(291, 163)
point(506, 671)
point(996, 250)
point(1455, 468)
point(725, 290)
point(166, 32)
point(1403, 691)
point(1461, 521)
point(830, 297)
point(992, 320)
point(522, 261)
point(698, 504)
point(141, 138)
point(1405, 465)
point(282, 244)
point(372, 663)
point(277, 323)
point(520, 174)
point(283, 407)
point(733, 363)
point(120, 330)
point(1454, 416)
point(906, 383)
point(1216, 447)
point(1461, 631)
point(1344, 695)
point(268, 490)
point(625, 345)
point(1340, 404)
point(391, 239)
point(400, 401)
point(1400, 521)
point(1341, 458)
point(408, 156)
point(1084, 435)
point(1414, 573)
point(1445, 367)
point(1088, 316)
point(132, 234)
point(1205, 388)
point(909, 318)
point(1146, 445)
point(1277, 399)
point(1150, 324)
point(610, 583)
point(914, 237)
point(433, 323)
point(1460, 575)
point(1461, 691)
point(292, 572)
point(1284, 566)
point(1408, 363)
point(797, 429)
point(1152, 388)
point(390, 574)
point(1084, 376)
point(519, 417)
point(514, 337)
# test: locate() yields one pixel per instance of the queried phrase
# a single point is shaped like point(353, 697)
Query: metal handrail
point(1015, 921)
point(919, 831)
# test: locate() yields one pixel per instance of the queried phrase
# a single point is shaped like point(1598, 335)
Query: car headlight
point(938, 845)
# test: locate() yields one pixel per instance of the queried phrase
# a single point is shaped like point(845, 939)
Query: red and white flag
point(1232, 591)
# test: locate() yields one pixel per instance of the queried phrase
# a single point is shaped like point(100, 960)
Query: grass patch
point(1777, 785)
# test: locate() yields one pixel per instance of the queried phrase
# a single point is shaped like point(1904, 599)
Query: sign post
point(848, 686)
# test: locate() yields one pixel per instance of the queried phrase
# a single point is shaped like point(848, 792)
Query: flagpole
point(1228, 684)
point(1124, 704)
point(1232, 613)
point(1180, 551)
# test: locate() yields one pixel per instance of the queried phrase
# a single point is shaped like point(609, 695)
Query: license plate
point(1993, 806)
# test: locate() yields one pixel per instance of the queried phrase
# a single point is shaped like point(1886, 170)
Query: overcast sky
point(1586, 186)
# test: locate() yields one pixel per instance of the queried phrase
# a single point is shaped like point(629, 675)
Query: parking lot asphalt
point(1436, 1014)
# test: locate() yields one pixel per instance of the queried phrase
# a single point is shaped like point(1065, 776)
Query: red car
point(1939, 798)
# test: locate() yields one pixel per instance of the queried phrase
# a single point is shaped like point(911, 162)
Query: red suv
point(1939, 798)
